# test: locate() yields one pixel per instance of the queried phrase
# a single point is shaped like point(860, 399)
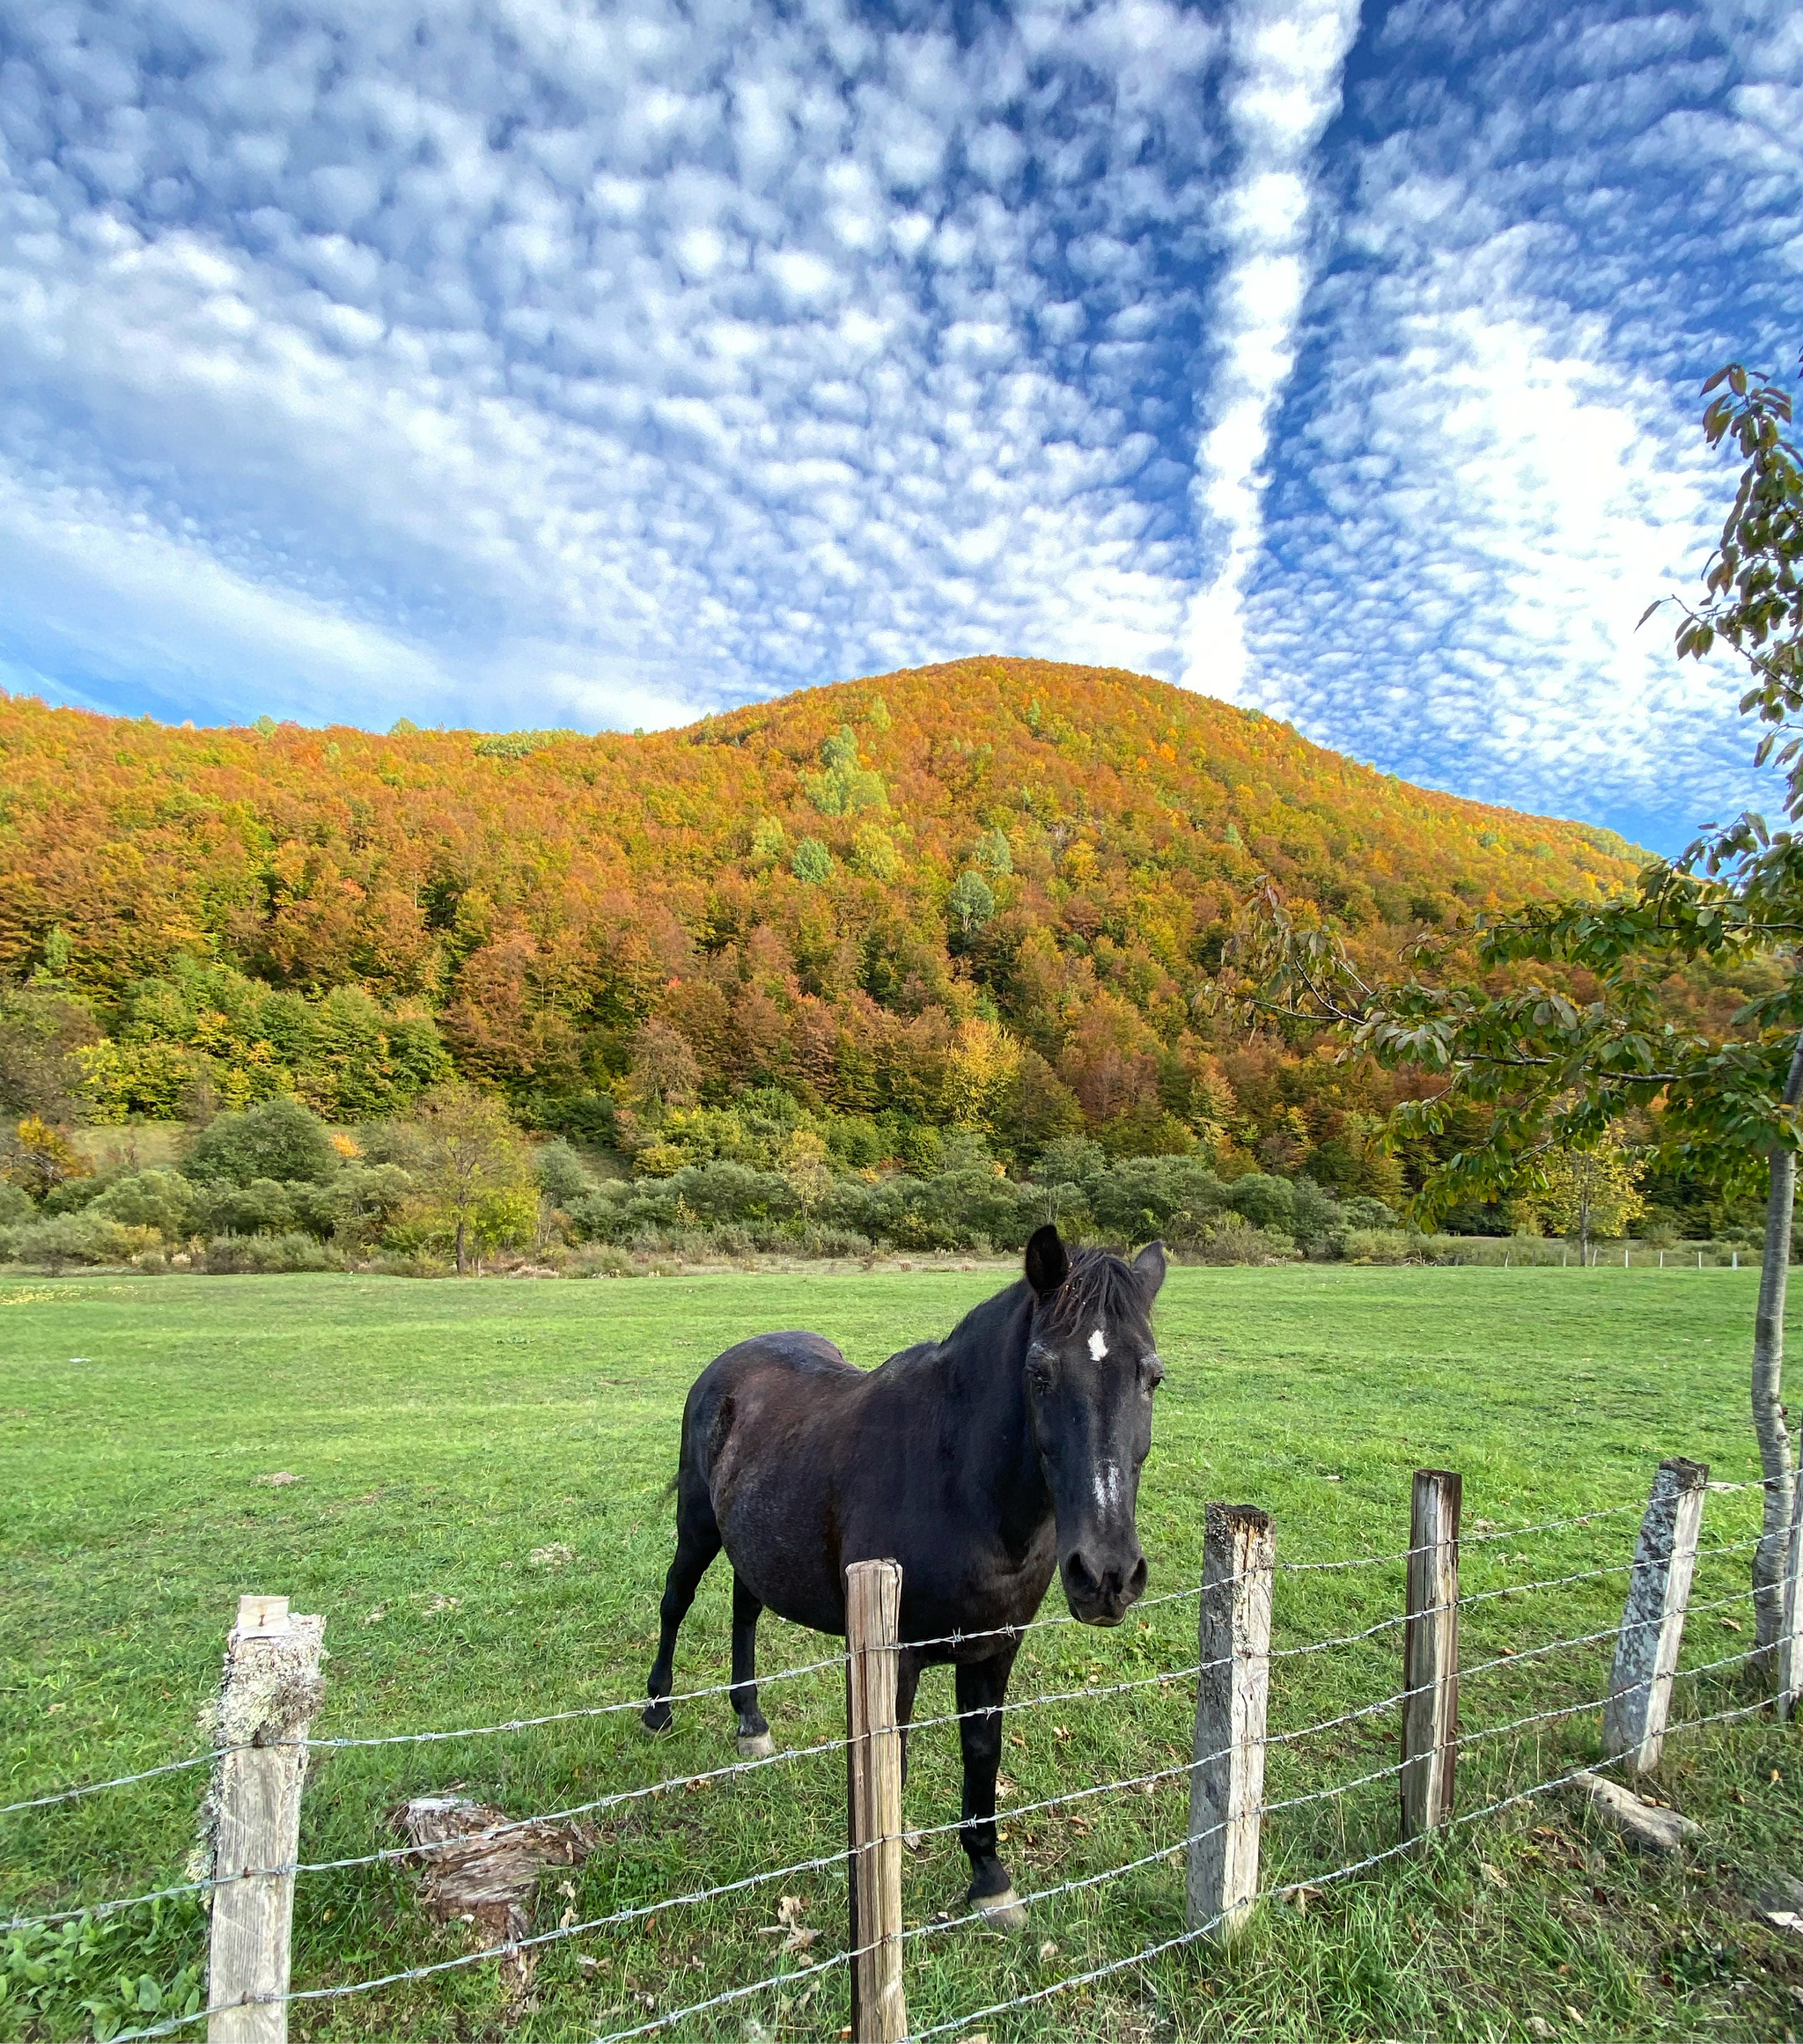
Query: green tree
point(1547, 1073)
point(475, 1174)
point(277, 1139)
point(813, 863)
point(972, 901)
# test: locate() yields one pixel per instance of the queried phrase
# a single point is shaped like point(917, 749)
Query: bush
point(239, 1254)
point(601, 1260)
point(1371, 1244)
point(55, 1243)
point(279, 1140)
point(15, 1205)
point(162, 1200)
point(1232, 1239)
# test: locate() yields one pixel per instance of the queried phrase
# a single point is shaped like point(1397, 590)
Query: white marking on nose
point(1107, 1488)
point(1098, 1346)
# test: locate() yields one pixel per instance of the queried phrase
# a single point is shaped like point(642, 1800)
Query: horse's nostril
point(1136, 1582)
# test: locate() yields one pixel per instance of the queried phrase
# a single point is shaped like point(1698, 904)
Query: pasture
point(475, 1507)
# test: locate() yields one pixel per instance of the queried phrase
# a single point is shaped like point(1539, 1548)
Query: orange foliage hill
point(1007, 858)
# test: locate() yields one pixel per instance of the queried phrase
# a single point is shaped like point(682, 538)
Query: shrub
point(1263, 1201)
point(1232, 1239)
point(85, 1237)
point(1371, 1245)
point(601, 1260)
point(278, 1140)
point(162, 1200)
point(15, 1205)
point(235, 1254)
point(263, 1207)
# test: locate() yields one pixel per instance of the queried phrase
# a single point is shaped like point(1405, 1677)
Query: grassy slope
point(440, 1433)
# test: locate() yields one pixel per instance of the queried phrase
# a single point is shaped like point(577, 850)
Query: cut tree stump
point(483, 1866)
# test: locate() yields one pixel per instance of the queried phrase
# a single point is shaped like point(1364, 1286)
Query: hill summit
point(976, 896)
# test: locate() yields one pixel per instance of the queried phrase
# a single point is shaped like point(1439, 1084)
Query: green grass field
point(438, 1434)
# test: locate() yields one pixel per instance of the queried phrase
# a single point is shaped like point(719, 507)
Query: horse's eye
point(1154, 1372)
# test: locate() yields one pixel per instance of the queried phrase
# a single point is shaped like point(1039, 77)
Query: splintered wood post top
point(1430, 1652)
point(1232, 1689)
point(267, 1699)
point(1652, 1615)
point(874, 1782)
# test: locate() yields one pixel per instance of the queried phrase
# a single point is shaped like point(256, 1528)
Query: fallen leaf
point(278, 1478)
point(556, 1556)
point(1729, 1624)
point(1048, 1951)
point(790, 1908)
point(1492, 1874)
point(1302, 1897)
point(798, 1939)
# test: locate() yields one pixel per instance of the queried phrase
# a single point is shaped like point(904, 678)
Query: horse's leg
point(697, 1542)
point(754, 1740)
point(981, 1686)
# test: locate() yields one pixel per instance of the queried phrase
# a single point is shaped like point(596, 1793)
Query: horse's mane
point(1100, 1286)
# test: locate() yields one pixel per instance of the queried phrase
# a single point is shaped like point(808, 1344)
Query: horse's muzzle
point(1100, 1592)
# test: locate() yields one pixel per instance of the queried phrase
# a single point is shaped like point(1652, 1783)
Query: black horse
point(980, 1463)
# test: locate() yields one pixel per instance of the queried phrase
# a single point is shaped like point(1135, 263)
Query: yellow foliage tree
point(1591, 1192)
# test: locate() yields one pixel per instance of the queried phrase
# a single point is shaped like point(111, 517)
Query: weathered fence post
point(1430, 1653)
point(873, 1757)
point(1790, 1625)
point(1653, 1617)
point(1226, 1776)
point(271, 1691)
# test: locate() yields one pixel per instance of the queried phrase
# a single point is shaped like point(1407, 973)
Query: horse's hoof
point(657, 1718)
point(1003, 1912)
point(759, 1746)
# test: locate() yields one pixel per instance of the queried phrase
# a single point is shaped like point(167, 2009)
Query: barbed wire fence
point(257, 1765)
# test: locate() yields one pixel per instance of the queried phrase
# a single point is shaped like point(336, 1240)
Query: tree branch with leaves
point(1489, 1012)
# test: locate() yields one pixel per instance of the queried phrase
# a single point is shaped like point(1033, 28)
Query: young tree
point(1551, 1074)
point(1591, 1192)
point(475, 1173)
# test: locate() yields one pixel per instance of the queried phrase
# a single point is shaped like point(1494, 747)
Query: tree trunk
point(462, 1255)
point(1768, 1423)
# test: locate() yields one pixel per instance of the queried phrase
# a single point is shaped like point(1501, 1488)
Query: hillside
point(977, 894)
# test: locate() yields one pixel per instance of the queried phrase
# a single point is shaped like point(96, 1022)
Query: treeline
point(272, 1187)
point(981, 897)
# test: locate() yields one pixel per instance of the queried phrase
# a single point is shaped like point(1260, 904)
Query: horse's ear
point(1047, 1260)
point(1149, 1269)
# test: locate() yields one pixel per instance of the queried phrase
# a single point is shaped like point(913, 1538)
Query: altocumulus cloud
point(526, 361)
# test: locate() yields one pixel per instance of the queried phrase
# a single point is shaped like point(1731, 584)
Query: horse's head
point(1091, 1372)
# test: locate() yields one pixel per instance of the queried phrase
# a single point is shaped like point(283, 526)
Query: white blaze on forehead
point(1098, 1346)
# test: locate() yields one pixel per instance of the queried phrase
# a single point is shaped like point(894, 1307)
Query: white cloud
point(1286, 58)
point(606, 359)
point(1495, 464)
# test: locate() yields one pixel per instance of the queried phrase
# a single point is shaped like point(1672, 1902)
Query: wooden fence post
point(1226, 1776)
point(1653, 1617)
point(271, 1691)
point(873, 1757)
point(1790, 1625)
point(1430, 1653)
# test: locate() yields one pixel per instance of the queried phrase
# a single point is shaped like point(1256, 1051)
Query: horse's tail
point(675, 1482)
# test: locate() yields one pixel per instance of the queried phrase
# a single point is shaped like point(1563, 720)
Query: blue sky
point(518, 362)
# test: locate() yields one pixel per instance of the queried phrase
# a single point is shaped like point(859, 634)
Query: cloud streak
point(1285, 59)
